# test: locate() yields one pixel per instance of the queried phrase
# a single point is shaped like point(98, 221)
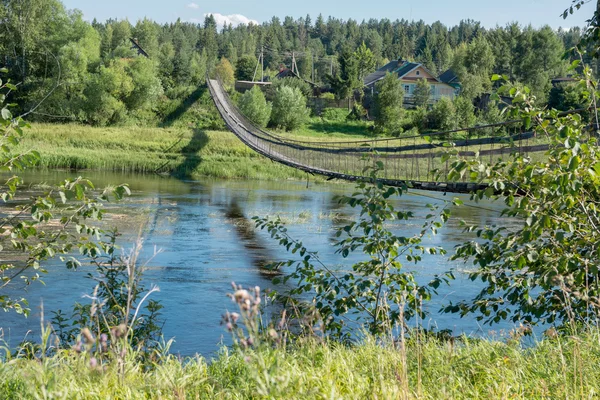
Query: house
point(449, 77)
point(409, 74)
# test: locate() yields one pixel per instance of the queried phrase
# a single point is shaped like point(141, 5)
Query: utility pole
point(312, 74)
point(262, 65)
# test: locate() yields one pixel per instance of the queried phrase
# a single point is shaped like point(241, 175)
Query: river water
point(203, 232)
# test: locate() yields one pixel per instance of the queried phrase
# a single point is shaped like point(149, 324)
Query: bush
point(255, 107)
point(334, 114)
point(442, 116)
point(289, 108)
point(357, 291)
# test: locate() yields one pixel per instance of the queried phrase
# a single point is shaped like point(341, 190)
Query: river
point(202, 231)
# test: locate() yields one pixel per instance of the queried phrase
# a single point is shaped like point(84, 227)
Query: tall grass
point(430, 369)
point(180, 151)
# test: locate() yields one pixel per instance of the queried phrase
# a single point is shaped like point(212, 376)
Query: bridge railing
point(405, 159)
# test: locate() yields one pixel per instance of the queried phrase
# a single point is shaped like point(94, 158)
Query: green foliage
point(293, 83)
point(473, 65)
point(255, 107)
point(105, 94)
point(289, 108)
point(381, 292)
point(224, 71)
point(245, 68)
point(573, 96)
point(56, 222)
point(117, 301)
point(465, 112)
point(337, 52)
point(443, 115)
point(334, 114)
point(388, 104)
point(346, 80)
point(422, 93)
point(545, 268)
point(365, 61)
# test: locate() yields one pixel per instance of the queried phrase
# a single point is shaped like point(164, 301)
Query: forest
point(70, 70)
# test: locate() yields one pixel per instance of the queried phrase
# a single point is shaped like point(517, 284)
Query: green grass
point(182, 152)
point(430, 369)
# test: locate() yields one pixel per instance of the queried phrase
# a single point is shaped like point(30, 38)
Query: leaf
point(6, 114)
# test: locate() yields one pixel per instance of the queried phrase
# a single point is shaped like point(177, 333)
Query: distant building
point(135, 46)
point(450, 78)
point(409, 73)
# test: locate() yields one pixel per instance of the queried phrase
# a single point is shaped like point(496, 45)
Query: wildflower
point(235, 317)
point(241, 295)
point(93, 363)
point(87, 335)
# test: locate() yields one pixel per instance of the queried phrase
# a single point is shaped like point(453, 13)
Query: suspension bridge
point(411, 161)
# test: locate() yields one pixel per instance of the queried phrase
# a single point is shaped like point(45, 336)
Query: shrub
point(289, 108)
point(442, 116)
point(255, 107)
point(334, 114)
point(380, 292)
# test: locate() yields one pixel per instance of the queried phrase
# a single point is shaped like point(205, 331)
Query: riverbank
point(472, 369)
point(182, 152)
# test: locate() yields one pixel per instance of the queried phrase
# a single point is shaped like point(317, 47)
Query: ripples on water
point(206, 234)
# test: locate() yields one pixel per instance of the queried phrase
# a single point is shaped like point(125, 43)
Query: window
point(406, 89)
point(418, 73)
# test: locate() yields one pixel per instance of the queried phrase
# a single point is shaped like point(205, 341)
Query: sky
point(449, 12)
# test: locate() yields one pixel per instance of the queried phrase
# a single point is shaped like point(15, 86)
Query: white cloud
point(233, 19)
point(193, 5)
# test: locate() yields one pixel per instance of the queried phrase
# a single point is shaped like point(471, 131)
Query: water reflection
point(208, 240)
point(254, 245)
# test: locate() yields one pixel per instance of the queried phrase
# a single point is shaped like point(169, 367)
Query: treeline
point(91, 74)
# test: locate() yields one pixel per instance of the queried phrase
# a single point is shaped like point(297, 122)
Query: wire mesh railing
point(414, 159)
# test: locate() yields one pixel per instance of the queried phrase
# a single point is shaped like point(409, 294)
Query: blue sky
point(490, 13)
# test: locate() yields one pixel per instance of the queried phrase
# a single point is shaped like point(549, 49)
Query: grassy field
point(182, 152)
point(560, 368)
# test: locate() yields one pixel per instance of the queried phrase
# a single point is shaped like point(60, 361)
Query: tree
point(544, 269)
point(255, 107)
point(365, 61)
point(422, 93)
point(146, 87)
point(224, 71)
point(293, 82)
point(465, 112)
point(245, 68)
point(346, 80)
point(388, 104)
point(105, 93)
point(289, 108)
point(198, 67)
